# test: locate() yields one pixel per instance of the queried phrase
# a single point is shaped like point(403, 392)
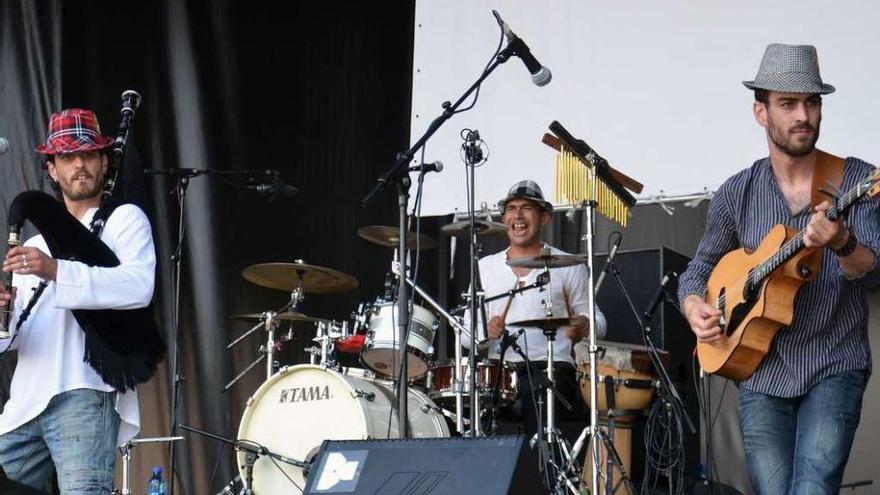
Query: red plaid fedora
point(73, 131)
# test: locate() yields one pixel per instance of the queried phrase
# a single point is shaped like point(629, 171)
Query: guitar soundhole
point(740, 311)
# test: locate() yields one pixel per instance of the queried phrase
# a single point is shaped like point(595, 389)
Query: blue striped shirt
point(829, 331)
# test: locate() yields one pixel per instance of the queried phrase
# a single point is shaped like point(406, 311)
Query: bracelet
point(848, 248)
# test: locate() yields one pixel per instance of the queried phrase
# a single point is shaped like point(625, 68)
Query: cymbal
point(288, 276)
point(545, 323)
point(287, 316)
point(387, 236)
point(483, 227)
point(548, 259)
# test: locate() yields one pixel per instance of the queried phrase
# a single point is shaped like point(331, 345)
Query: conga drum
point(626, 379)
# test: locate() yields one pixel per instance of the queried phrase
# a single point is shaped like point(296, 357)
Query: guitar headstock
point(872, 182)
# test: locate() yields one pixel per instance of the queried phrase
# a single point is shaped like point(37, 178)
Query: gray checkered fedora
point(526, 189)
point(790, 69)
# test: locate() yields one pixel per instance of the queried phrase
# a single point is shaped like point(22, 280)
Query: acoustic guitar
point(755, 291)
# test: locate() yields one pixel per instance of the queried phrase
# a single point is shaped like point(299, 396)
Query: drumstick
point(567, 303)
point(509, 300)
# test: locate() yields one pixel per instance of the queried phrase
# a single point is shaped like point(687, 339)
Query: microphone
point(428, 167)
point(274, 190)
point(658, 296)
point(608, 262)
point(540, 75)
point(4, 145)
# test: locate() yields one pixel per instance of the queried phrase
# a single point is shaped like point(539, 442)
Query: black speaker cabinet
point(641, 271)
point(420, 466)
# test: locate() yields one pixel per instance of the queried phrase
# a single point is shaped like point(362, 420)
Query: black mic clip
point(509, 339)
point(659, 295)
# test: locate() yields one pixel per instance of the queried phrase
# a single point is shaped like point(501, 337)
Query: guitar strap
point(829, 169)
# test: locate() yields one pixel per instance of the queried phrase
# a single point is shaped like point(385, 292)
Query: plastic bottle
point(156, 486)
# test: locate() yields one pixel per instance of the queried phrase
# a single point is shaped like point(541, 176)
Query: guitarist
point(800, 409)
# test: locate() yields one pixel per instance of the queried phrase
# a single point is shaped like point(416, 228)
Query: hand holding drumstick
point(497, 323)
point(578, 331)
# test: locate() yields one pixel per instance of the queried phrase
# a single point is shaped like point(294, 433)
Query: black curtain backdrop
point(319, 91)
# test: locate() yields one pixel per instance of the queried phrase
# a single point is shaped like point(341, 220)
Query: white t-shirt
point(51, 343)
point(497, 278)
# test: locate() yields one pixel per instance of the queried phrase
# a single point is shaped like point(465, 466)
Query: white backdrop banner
point(654, 87)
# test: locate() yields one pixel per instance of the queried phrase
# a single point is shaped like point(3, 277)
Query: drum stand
point(125, 453)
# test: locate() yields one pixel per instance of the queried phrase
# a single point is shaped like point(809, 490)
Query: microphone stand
point(182, 177)
point(668, 393)
point(252, 452)
point(399, 175)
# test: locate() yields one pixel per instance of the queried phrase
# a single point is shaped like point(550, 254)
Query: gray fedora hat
point(526, 189)
point(790, 69)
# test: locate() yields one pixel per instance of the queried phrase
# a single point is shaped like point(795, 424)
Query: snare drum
point(301, 406)
point(381, 349)
point(442, 378)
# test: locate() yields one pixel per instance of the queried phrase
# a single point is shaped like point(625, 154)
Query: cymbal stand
point(269, 321)
point(549, 438)
point(125, 453)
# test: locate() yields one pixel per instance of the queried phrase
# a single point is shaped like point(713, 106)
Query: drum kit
point(299, 406)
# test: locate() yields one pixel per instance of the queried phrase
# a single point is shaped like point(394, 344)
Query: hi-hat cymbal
point(387, 236)
point(546, 323)
point(287, 316)
point(288, 276)
point(483, 227)
point(547, 259)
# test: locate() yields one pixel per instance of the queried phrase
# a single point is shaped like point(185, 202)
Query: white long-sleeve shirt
point(51, 344)
point(497, 278)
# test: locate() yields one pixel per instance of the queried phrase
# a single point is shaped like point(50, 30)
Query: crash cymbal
point(288, 316)
point(463, 228)
point(387, 236)
point(288, 276)
point(548, 259)
point(545, 323)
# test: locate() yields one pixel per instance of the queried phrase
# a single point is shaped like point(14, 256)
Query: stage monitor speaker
point(641, 271)
point(421, 466)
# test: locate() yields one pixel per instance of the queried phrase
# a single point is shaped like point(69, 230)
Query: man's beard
point(75, 193)
point(786, 142)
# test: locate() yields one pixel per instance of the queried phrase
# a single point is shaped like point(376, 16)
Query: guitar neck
point(796, 243)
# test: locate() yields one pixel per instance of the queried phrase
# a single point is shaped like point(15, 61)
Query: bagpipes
point(123, 345)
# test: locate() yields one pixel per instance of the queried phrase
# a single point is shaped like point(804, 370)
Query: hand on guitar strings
point(821, 231)
point(704, 319)
point(30, 261)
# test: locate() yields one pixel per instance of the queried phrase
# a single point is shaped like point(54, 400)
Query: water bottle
point(156, 486)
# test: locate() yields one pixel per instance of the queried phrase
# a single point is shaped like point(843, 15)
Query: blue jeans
point(800, 445)
point(77, 432)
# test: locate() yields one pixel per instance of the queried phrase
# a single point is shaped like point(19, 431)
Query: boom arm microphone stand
point(182, 177)
point(399, 175)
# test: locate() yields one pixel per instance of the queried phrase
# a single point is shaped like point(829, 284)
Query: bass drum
point(301, 406)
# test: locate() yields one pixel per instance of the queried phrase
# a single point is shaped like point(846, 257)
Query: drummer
point(525, 212)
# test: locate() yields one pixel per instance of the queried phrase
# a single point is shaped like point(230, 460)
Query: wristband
point(848, 248)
